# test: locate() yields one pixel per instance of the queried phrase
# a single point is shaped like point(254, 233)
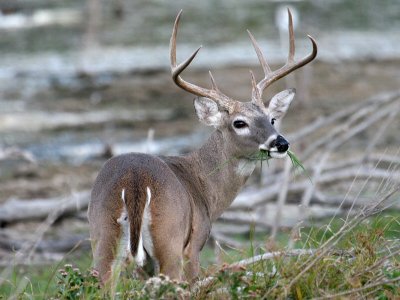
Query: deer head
point(247, 126)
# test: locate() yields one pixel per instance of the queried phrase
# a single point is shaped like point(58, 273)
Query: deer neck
point(220, 173)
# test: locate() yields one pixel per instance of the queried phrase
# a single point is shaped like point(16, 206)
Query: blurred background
point(81, 81)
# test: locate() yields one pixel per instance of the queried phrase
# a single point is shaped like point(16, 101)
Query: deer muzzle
point(280, 145)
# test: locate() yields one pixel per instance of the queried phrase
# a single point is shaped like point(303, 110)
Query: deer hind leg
point(105, 248)
point(170, 261)
point(164, 250)
point(111, 247)
point(168, 250)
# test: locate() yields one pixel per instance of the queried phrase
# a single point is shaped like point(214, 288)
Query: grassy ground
point(364, 263)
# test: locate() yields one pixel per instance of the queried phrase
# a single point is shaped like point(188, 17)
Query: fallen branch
point(226, 240)
point(251, 199)
point(360, 289)
point(342, 114)
point(47, 246)
point(38, 259)
point(16, 153)
point(271, 255)
point(339, 134)
point(17, 210)
point(265, 218)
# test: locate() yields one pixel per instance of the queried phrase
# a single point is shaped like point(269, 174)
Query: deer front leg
point(192, 263)
point(192, 252)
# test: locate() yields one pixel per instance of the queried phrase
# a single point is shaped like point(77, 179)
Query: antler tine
point(292, 48)
point(172, 42)
point(260, 55)
point(255, 93)
point(213, 83)
point(176, 70)
point(291, 64)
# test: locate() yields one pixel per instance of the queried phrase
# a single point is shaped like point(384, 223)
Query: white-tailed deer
point(159, 209)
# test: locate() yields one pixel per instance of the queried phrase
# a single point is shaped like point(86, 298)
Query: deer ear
point(207, 111)
point(279, 104)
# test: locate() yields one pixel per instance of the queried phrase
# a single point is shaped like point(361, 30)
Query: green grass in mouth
point(264, 155)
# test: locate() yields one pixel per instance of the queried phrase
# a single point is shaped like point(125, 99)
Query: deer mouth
point(273, 153)
point(276, 154)
point(264, 154)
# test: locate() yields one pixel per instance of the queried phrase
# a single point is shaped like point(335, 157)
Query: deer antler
point(290, 66)
point(214, 94)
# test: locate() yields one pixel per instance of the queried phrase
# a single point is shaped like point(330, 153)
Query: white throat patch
point(245, 167)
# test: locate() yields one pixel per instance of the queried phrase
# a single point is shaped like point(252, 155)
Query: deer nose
point(281, 144)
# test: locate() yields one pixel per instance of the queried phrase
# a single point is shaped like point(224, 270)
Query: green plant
point(297, 163)
point(72, 284)
point(264, 155)
point(162, 287)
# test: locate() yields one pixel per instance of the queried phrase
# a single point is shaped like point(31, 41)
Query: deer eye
point(239, 124)
point(273, 121)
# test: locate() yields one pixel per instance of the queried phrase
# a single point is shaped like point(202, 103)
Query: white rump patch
point(148, 191)
point(145, 240)
point(124, 254)
point(123, 195)
point(245, 167)
point(140, 257)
